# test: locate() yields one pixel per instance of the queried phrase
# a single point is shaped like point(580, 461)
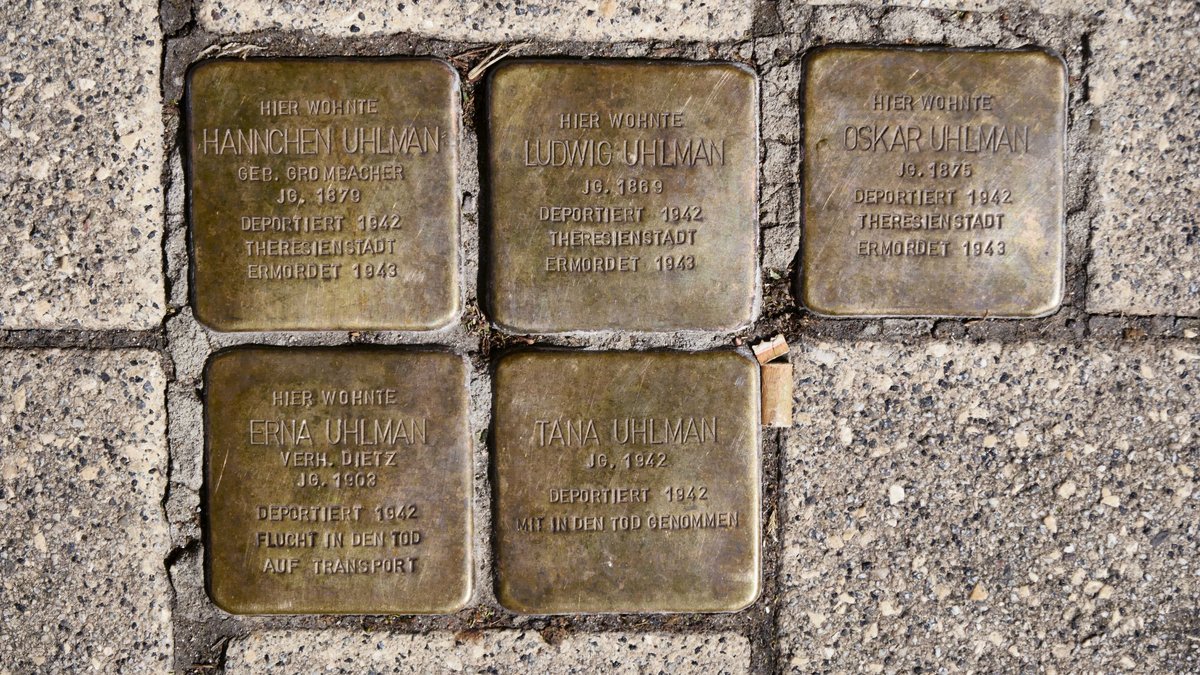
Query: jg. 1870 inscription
point(933, 183)
point(323, 193)
point(626, 482)
point(337, 481)
point(622, 195)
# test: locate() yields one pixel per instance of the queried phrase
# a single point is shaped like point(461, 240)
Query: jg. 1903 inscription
point(622, 195)
point(337, 481)
point(323, 193)
point(933, 182)
point(626, 482)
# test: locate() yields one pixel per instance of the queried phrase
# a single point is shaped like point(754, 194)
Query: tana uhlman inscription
point(337, 481)
point(622, 195)
point(933, 182)
point(626, 482)
point(323, 193)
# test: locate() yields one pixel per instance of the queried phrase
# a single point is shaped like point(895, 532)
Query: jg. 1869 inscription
point(933, 182)
point(626, 482)
point(323, 193)
point(622, 195)
point(337, 481)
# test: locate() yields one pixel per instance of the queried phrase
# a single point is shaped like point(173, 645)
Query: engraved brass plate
point(626, 482)
point(323, 194)
point(337, 481)
point(622, 196)
point(933, 183)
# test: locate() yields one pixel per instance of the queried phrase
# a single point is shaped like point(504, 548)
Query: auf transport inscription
point(337, 481)
point(622, 195)
point(933, 183)
point(323, 193)
point(626, 482)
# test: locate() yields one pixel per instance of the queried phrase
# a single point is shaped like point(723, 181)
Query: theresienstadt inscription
point(933, 183)
point(324, 193)
point(622, 195)
point(337, 482)
point(626, 482)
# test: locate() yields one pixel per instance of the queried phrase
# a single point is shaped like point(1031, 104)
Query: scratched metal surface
point(690, 450)
point(916, 206)
point(419, 479)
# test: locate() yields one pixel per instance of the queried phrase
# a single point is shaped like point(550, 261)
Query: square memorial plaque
point(337, 481)
point(622, 196)
point(626, 482)
point(933, 183)
point(324, 194)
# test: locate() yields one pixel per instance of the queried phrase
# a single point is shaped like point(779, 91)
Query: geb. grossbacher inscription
point(933, 182)
point(622, 195)
point(626, 482)
point(323, 193)
point(337, 481)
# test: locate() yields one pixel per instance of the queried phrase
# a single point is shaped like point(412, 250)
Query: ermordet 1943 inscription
point(337, 482)
point(933, 182)
point(323, 193)
point(622, 195)
point(626, 482)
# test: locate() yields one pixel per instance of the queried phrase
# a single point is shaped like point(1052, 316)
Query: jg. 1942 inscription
point(933, 183)
point(323, 193)
point(337, 481)
point(626, 482)
point(622, 195)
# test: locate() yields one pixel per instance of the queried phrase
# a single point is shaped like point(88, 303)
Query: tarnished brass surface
point(323, 194)
point(375, 437)
point(595, 225)
point(626, 482)
point(933, 183)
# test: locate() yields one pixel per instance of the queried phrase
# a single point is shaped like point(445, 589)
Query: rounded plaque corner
point(746, 601)
point(227, 605)
point(1049, 307)
point(201, 68)
point(513, 604)
point(809, 301)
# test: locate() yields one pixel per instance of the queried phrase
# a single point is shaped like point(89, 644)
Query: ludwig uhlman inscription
point(933, 183)
point(622, 195)
point(323, 194)
point(337, 482)
point(626, 482)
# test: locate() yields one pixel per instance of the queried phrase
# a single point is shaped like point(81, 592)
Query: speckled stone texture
point(989, 508)
point(81, 153)
point(341, 651)
point(1146, 237)
point(82, 473)
point(590, 20)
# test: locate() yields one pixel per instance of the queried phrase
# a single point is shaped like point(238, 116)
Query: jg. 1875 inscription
point(626, 482)
point(933, 183)
point(337, 481)
point(622, 195)
point(323, 193)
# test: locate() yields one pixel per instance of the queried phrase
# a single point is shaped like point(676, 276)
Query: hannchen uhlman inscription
point(622, 195)
point(626, 482)
point(933, 183)
point(323, 193)
point(337, 481)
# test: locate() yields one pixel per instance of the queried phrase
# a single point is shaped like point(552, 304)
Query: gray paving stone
point(607, 20)
point(1146, 237)
point(957, 507)
point(81, 145)
point(344, 651)
point(82, 471)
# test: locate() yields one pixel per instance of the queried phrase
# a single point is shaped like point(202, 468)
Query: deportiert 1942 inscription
point(626, 482)
point(337, 481)
point(933, 182)
point(622, 195)
point(323, 193)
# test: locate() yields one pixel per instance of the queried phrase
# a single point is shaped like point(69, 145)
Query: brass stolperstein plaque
point(622, 196)
point(626, 482)
point(337, 481)
point(933, 183)
point(323, 194)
